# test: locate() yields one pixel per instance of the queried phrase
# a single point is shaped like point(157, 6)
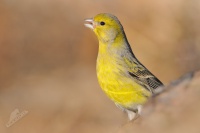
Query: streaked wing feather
point(143, 76)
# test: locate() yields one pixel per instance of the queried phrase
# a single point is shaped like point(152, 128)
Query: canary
point(127, 82)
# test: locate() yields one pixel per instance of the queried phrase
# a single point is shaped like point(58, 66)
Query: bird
point(123, 78)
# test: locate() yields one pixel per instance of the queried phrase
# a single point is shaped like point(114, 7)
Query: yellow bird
point(121, 76)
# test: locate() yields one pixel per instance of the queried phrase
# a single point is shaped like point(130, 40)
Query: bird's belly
point(118, 86)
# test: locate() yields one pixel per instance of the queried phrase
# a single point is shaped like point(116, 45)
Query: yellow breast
point(115, 82)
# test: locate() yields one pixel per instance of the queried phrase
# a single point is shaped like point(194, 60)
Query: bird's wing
point(142, 75)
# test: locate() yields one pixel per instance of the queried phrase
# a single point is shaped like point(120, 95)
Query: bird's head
point(106, 27)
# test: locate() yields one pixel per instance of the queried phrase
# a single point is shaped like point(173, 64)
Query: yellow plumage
point(121, 76)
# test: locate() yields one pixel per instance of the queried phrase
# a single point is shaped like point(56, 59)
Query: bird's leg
point(131, 114)
point(134, 114)
point(139, 108)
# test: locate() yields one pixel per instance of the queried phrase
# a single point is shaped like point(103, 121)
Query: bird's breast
point(109, 73)
point(116, 84)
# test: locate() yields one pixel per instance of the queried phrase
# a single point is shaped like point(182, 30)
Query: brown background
point(47, 58)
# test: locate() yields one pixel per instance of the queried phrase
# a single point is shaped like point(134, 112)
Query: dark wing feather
point(143, 76)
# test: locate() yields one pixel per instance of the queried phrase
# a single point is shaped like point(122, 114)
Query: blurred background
point(47, 58)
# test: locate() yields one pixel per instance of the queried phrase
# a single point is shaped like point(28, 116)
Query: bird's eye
point(102, 23)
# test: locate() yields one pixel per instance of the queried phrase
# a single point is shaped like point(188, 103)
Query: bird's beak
point(89, 23)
